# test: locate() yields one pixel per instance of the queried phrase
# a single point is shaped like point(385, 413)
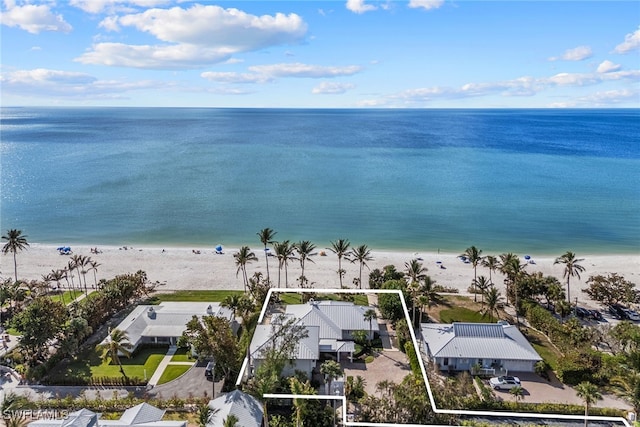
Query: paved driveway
point(539, 390)
point(390, 365)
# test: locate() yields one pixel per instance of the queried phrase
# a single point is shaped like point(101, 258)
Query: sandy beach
point(183, 268)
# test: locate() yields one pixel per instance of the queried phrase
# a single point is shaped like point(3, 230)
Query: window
point(445, 361)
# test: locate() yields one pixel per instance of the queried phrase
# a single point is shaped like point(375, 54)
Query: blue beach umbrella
point(527, 257)
point(219, 248)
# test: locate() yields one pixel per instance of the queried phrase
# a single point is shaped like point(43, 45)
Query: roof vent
point(313, 302)
point(151, 313)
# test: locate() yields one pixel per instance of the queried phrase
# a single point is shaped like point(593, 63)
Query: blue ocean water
point(540, 181)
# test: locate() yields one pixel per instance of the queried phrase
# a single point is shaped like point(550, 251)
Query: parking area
point(389, 365)
point(539, 390)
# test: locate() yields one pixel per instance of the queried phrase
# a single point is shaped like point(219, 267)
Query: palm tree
point(589, 394)
point(94, 267)
point(230, 421)
point(242, 258)
point(571, 268)
point(473, 254)
point(331, 371)
point(511, 267)
point(517, 392)
point(305, 251)
point(56, 276)
point(284, 252)
point(205, 415)
point(369, 315)
point(341, 248)
point(493, 300)
point(427, 296)
point(361, 254)
point(71, 266)
point(481, 283)
point(80, 262)
point(16, 242)
point(492, 263)
point(266, 237)
point(233, 303)
point(414, 271)
point(300, 405)
point(117, 342)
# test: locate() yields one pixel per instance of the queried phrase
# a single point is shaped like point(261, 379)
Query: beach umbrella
point(219, 248)
point(61, 248)
point(527, 257)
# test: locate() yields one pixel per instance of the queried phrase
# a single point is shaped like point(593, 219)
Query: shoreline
point(179, 268)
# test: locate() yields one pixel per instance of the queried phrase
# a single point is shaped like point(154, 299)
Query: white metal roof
point(168, 319)
point(245, 407)
point(479, 340)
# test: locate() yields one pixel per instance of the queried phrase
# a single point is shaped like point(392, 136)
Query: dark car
point(583, 313)
point(618, 312)
point(208, 371)
point(596, 315)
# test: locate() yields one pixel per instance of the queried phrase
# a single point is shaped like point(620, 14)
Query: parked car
point(631, 314)
point(504, 382)
point(596, 315)
point(617, 311)
point(208, 371)
point(583, 313)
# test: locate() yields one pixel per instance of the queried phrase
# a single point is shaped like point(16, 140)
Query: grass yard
point(294, 298)
point(90, 364)
point(171, 372)
point(462, 314)
point(182, 355)
point(545, 349)
point(193, 296)
point(66, 297)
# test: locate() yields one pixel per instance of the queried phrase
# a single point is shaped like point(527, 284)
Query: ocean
point(535, 181)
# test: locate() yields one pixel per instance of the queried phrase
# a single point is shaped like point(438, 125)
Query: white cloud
point(112, 6)
point(43, 82)
point(521, 86)
point(426, 4)
point(631, 42)
point(305, 70)
point(576, 54)
point(195, 37)
point(110, 23)
point(230, 77)
point(33, 18)
point(332, 88)
point(359, 6)
point(600, 99)
point(153, 57)
point(607, 66)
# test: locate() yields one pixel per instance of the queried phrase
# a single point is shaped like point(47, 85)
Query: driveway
point(390, 365)
point(540, 390)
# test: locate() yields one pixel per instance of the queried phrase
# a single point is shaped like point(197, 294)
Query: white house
point(246, 408)
point(496, 348)
point(329, 324)
point(165, 323)
point(142, 415)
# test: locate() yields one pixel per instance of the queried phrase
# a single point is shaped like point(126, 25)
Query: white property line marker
point(422, 368)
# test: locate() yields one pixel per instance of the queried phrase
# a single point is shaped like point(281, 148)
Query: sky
point(330, 54)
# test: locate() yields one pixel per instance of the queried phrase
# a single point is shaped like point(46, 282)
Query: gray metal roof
point(142, 413)
point(169, 319)
point(307, 348)
point(482, 341)
point(81, 418)
point(333, 317)
point(245, 407)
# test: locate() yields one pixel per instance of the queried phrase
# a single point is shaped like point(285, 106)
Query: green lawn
point(194, 296)
point(182, 355)
point(90, 364)
point(461, 314)
point(544, 348)
point(294, 298)
point(171, 372)
point(66, 297)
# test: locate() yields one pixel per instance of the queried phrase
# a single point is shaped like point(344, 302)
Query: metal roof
point(333, 317)
point(481, 341)
point(168, 319)
point(142, 413)
point(307, 348)
point(245, 407)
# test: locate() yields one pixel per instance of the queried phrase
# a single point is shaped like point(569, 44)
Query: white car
point(504, 382)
